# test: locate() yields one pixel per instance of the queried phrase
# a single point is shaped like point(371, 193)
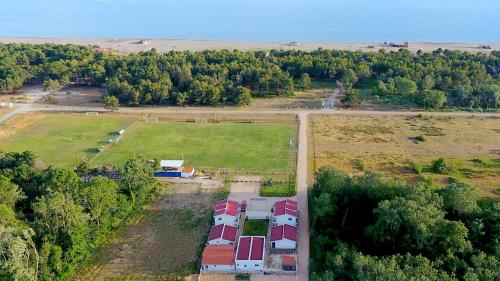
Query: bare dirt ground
point(165, 240)
point(387, 144)
point(302, 99)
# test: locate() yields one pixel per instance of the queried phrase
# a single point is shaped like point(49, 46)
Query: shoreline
point(131, 45)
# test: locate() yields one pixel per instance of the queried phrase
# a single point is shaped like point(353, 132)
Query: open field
point(167, 238)
point(60, 139)
point(387, 144)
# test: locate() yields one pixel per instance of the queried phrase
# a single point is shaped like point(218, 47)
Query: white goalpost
point(91, 113)
point(151, 119)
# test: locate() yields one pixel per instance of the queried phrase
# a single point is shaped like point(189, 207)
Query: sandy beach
point(165, 45)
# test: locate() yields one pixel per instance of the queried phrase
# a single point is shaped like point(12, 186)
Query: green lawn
point(255, 227)
point(60, 139)
point(212, 145)
point(278, 189)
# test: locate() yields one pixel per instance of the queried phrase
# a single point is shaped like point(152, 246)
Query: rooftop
point(283, 232)
point(223, 231)
point(172, 163)
point(251, 248)
point(287, 206)
point(227, 207)
point(218, 254)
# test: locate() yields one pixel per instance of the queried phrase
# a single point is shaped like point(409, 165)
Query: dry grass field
point(388, 145)
point(166, 240)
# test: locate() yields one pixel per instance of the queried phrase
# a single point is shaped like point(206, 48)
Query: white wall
point(284, 244)
point(285, 219)
point(258, 215)
point(220, 241)
point(217, 268)
point(225, 219)
point(253, 266)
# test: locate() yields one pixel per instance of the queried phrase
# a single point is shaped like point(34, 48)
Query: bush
point(420, 138)
point(415, 167)
point(440, 166)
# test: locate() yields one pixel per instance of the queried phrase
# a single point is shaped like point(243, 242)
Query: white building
point(222, 234)
point(250, 254)
point(284, 237)
point(227, 212)
point(285, 212)
point(187, 172)
point(218, 258)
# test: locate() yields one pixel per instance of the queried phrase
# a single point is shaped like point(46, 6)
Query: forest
point(434, 80)
point(52, 220)
point(372, 228)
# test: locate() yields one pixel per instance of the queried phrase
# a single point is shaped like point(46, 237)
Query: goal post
point(151, 119)
point(91, 113)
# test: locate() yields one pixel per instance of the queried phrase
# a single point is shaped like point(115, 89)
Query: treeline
point(51, 220)
point(451, 78)
point(371, 228)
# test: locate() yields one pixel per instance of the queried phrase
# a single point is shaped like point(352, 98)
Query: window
point(256, 264)
point(289, 219)
point(206, 266)
point(220, 219)
point(245, 265)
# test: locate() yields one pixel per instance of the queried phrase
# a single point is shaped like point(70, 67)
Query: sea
point(443, 21)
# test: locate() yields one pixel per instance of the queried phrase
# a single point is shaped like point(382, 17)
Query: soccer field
point(61, 139)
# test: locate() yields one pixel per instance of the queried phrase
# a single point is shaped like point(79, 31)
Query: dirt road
point(303, 243)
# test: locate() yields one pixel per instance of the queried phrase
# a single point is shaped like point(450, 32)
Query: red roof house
point(250, 254)
point(285, 212)
point(284, 237)
point(222, 234)
point(226, 212)
point(218, 258)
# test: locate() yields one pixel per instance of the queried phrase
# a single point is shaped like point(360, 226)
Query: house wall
point(187, 175)
point(225, 219)
point(217, 268)
point(249, 266)
point(284, 244)
point(220, 241)
point(285, 219)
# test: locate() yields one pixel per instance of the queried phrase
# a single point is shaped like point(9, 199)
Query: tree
point(461, 198)
point(405, 86)
point(51, 85)
point(137, 179)
point(305, 81)
point(350, 98)
point(428, 83)
point(101, 199)
point(433, 99)
point(111, 103)
point(9, 192)
point(243, 96)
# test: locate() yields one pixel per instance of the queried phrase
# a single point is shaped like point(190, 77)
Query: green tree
point(440, 166)
point(111, 103)
point(243, 96)
point(305, 81)
point(351, 97)
point(405, 86)
point(428, 83)
point(433, 99)
point(137, 179)
point(9, 192)
point(51, 85)
point(101, 199)
point(461, 198)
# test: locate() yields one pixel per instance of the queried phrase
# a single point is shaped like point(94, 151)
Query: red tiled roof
point(288, 260)
point(187, 170)
point(223, 231)
point(287, 206)
point(283, 232)
point(227, 207)
point(250, 248)
point(218, 254)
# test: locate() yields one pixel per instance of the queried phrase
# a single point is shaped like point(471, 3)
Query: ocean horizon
point(356, 21)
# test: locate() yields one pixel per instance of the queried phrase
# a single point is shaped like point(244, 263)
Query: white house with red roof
point(284, 237)
point(285, 212)
point(222, 234)
point(250, 254)
point(218, 258)
point(227, 212)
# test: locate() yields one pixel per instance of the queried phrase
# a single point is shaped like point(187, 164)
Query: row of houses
point(225, 253)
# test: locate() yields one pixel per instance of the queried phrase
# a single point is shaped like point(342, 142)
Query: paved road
point(303, 246)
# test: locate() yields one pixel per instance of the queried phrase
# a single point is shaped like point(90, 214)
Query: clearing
point(255, 227)
point(388, 144)
point(167, 239)
point(62, 139)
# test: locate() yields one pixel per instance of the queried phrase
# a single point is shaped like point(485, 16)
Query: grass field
point(60, 139)
point(255, 227)
point(390, 146)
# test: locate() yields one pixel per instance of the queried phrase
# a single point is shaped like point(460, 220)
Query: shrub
point(440, 166)
point(420, 138)
point(415, 167)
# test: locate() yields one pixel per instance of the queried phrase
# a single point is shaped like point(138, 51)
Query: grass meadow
point(61, 139)
point(405, 146)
